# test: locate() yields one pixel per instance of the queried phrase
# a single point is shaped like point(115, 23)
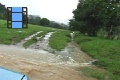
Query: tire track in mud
point(39, 64)
point(20, 44)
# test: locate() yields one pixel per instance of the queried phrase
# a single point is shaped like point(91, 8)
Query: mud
point(43, 44)
point(39, 63)
point(20, 44)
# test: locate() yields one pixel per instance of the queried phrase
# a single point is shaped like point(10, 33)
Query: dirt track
point(36, 66)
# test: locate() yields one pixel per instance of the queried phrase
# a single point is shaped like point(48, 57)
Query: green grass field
point(13, 36)
point(8, 36)
point(107, 52)
point(99, 74)
point(59, 39)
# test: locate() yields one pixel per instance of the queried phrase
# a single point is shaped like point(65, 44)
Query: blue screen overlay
point(6, 74)
point(16, 24)
point(17, 9)
point(17, 17)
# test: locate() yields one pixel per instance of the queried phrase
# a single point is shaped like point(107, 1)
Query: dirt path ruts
point(31, 65)
point(41, 65)
point(20, 44)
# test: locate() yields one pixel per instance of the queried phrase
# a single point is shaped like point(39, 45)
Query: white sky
point(56, 10)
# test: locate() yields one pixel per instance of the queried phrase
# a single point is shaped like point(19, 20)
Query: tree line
point(34, 19)
point(3, 12)
point(37, 20)
point(91, 16)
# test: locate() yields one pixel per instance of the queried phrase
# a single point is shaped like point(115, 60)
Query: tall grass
point(107, 52)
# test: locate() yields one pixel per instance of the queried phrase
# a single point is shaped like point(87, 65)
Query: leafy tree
point(112, 18)
point(3, 12)
point(74, 25)
point(58, 25)
point(64, 26)
point(44, 22)
point(90, 15)
point(34, 19)
point(86, 17)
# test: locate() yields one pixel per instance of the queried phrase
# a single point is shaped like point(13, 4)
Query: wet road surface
point(40, 64)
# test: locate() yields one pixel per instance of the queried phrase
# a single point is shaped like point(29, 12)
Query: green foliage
point(90, 15)
point(74, 25)
point(13, 36)
point(58, 25)
point(111, 18)
point(3, 12)
point(34, 19)
point(44, 22)
point(107, 52)
point(86, 17)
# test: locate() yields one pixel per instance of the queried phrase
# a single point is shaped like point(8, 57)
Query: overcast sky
point(56, 10)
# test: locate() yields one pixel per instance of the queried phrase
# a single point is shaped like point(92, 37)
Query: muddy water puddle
point(43, 44)
point(20, 44)
point(71, 55)
point(39, 63)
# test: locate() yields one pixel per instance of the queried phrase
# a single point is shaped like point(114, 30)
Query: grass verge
point(107, 52)
point(99, 74)
point(59, 39)
point(13, 36)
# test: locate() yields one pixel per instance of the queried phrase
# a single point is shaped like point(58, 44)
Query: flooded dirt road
point(20, 44)
point(43, 44)
point(40, 64)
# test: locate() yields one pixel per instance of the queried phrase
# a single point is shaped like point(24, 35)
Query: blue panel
point(16, 16)
point(25, 78)
point(16, 9)
point(16, 24)
point(11, 75)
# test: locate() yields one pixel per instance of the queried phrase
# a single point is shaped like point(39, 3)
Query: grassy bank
point(59, 39)
point(107, 52)
point(99, 74)
point(12, 36)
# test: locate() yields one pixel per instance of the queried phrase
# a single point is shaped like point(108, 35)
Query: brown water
point(20, 44)
point(39, 64)
point(43, 44)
